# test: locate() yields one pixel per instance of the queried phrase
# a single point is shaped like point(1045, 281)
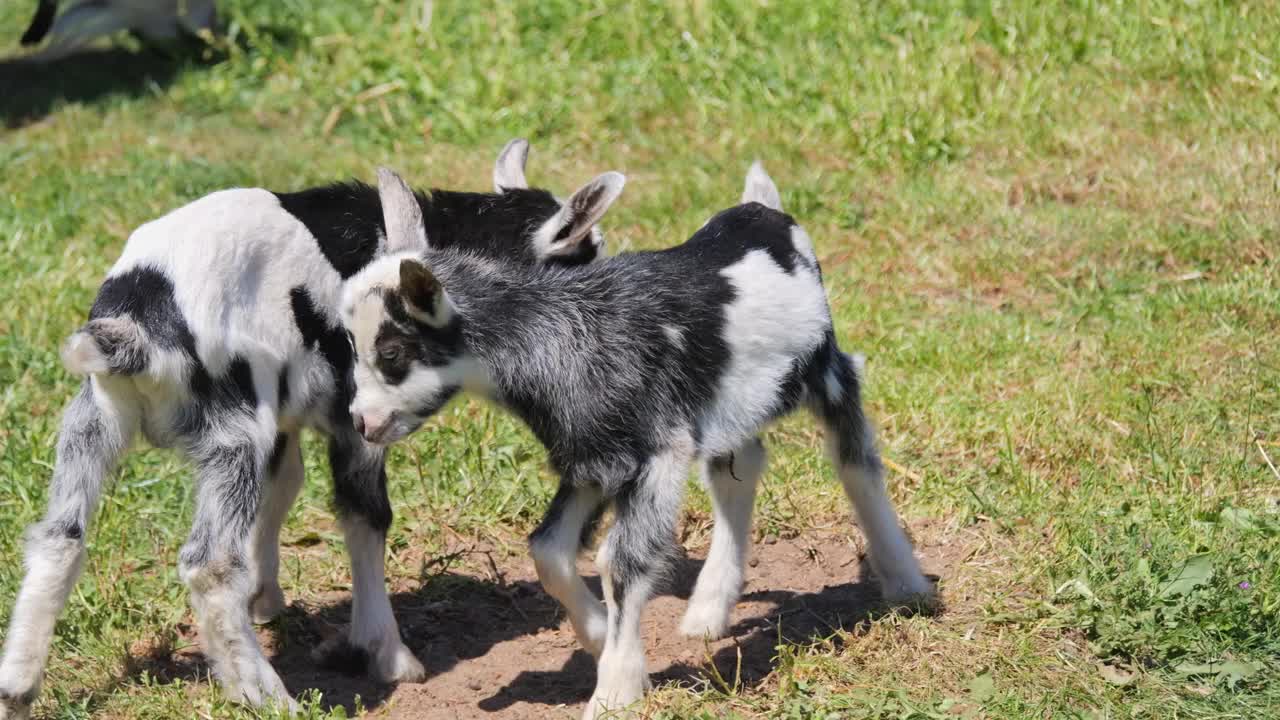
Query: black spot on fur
point(65, 529)
point(359, 480)
point(344, 218)
point(346, 221)
point(277, 453)
point(753, 227)
point(228, 396)
point(402, 341)
point(145, 295)
point(333, 344)
point(282, 388)
point(844, 417)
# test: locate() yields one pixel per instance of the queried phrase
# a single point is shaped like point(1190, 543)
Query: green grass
point(1051, 227)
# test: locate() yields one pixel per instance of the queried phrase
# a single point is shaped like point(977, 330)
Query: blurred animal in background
point(154, 21)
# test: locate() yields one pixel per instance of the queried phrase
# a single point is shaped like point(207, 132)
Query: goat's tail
point(40, 24)
point(760, 188)
point(110, 345)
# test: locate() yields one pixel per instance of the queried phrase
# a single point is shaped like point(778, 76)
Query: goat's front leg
point(214, 563)
point(360, 493)
point(636, 555)
point(554, 546)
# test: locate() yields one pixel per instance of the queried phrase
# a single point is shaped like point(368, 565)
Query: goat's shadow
point(794, 617)
point(31, 89)
point(455, 617)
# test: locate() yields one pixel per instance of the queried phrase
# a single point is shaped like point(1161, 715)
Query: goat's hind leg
point(851, 443)
point(97, 427)
point(731, 481)
point(214, 563)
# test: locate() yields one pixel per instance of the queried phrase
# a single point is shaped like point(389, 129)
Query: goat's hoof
point(614, 708)
point(267, 604)
point(16, 705)
point(398, 665)
point(258, 685)
point(705, 620)
point(13, 709)
point(916, 592)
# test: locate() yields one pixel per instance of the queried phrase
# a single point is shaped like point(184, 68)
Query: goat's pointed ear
point(569, 232)
point(508, 171)
point(760, 188)
point(401, 214)
point(424, 298)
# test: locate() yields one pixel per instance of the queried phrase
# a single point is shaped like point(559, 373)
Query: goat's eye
point(389, 354)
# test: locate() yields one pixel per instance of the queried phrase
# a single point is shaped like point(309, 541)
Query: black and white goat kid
point(629, 370)
point(157, 21)
point(217, 333)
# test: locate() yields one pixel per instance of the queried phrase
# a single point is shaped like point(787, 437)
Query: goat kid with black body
point(217, 333)
point(628, 371)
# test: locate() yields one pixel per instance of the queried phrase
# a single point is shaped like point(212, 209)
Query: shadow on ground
point(742, 662)
point(30, 90)
point(495, 647)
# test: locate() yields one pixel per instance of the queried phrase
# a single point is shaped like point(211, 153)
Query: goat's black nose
point(359, 421)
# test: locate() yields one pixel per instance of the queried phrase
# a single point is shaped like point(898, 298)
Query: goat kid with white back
point(217, 333)
point(628, 371)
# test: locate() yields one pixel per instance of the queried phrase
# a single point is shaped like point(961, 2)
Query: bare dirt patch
point(497, 647)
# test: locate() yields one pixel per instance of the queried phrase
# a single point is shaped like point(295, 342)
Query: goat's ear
point(569, 232)
point(401, 214)
point(760, 188)
point(424, 298)
point(508, 171)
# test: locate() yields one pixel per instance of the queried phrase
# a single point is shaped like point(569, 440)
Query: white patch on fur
point(803, 243)
point(835, 390)
point(774, 318)
point(53, 561)
point(674, 335)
